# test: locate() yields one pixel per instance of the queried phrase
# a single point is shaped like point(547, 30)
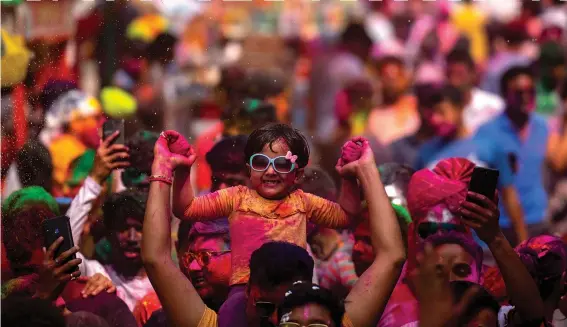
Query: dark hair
point(53, 90)
point(458, 57)
point(449, 93)
point(141, 152)
point(264, 84)
point(127, 204)
point(303, 293)
point(30, 312)
point(277, 263)
point(356, 33)
point(453, 237)
point(511, 74)
point(482, 300)
point(318, 182)
point(271, 133)
point(545, 258)
point(162, 47)
point(228, 155)
point(425, 94)
point(34, 165)
point(22, 233)
point(189, 231)
point(85, 319)
point(514, 33)
point(248, 115)
point(390, 59)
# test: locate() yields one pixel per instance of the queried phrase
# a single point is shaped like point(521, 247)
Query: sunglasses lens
point(426, 229)
point(283, 165)
point(259, 162)
point(205, 258)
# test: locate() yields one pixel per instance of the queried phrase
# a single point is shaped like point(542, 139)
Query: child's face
point(269, 183)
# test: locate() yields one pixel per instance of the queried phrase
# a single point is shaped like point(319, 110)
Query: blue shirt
point(481, 152)
point(530, 156)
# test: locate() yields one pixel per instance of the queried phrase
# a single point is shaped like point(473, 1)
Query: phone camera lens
point(57, 231)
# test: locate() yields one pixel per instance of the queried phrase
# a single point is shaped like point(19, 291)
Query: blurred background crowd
point(422, 80)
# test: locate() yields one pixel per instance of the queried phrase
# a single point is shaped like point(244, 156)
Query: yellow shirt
point(209, 319)
point(470, 21)
point(255, 220)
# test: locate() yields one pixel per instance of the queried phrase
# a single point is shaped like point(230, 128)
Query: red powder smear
point(249, 231)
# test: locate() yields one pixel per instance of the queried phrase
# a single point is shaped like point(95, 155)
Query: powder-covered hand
point(166, 160)
point(176, 143)
point(352, 150)
point(359, 150)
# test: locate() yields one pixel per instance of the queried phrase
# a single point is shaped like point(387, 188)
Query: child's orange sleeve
point(215, 205)
point(325, 213)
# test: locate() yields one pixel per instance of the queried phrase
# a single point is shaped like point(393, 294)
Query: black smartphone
point(484, 181)
point(53, 229)
point(112, 125)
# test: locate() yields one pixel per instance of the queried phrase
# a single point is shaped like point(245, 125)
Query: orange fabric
point(204, 144)
point(255, 220)
point(144, 309)
point(64, 150)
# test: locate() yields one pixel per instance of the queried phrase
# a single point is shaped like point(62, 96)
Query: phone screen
point(484, 181)
point(112, 125)
point(58, 227)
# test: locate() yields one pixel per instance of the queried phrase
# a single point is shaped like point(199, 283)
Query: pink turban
point(445, 185)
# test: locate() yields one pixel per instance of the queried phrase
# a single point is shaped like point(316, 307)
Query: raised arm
point(367, 299)
point(108, 158)
point(482, 215)
point(180, 300)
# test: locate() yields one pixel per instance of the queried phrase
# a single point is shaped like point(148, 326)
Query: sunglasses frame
point(271, 161)
point(294, 324)
point(197, 256)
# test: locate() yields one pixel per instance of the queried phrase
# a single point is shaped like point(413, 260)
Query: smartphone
point(484, 181)
point(53, 229)
point(112, 125)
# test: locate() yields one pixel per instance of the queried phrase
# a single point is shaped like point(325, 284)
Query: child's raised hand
point(176, 143)
point(165, 160)
point(358, 148)
point(352, 150)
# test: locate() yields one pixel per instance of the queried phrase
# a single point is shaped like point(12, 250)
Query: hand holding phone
point(480, 211)
point(60, 264)
point(58, 237)
point(109, 156)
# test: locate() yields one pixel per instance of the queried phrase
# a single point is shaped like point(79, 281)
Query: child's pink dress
point(255, 220)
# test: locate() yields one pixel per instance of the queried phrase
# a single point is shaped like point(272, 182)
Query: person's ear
point(299, 174)
point(248, 170)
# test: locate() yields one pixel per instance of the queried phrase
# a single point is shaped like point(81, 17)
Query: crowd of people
point(273, 170)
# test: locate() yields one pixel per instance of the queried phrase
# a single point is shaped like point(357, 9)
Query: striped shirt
point(337, 273)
